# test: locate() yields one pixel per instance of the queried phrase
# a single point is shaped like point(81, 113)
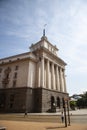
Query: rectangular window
point(0, 70)
point(15, 75)
point(14, 83)
point(7, 76)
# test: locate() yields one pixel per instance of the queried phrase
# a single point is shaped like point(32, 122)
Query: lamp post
point(68, 112)
point(64, 106)
point(67, 107)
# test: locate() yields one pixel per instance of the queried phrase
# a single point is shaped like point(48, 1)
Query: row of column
point(51, 76)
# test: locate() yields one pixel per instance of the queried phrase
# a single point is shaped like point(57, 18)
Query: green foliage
point(82, 102)
point(72, 105)
point(85, 95)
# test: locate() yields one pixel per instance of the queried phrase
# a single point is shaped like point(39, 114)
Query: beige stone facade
point(38, 76)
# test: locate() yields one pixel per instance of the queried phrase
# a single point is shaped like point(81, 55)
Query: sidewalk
point(79, 112)
point(21, 125)
point(73, 112)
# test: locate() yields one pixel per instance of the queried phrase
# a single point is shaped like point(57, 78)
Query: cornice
point(43, 49)
point(18, 58)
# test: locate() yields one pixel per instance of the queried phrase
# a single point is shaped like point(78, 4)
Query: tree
point(72, 105)
point(82, 102)
point(85, 95)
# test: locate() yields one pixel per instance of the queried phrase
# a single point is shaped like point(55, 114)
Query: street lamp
point(68, 112)
point(64, 106)
point(66, 101)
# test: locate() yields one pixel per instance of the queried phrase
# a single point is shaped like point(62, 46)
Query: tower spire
point(44, 30)
point(44, 36)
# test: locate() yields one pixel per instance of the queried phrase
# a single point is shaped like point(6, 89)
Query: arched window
point(52, 101)
point(63, 101)
point(58, 102)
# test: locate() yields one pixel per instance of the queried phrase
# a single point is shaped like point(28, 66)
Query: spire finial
point(44, 30)
point(44, 37)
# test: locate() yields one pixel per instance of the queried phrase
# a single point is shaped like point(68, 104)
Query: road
point(79, 119)
point(43, 118)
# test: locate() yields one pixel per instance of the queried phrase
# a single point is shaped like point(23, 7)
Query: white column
point(64, 81)
point(61, 85)
point(54, 77)
point(42, 72)
point(47, 75)
point(57, 79)
point(50, 75)
point(53, 87)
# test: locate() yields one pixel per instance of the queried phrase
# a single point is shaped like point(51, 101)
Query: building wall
point(30, 100)
point(16, 100)
point(18, 72)
point(23, 73)
point(43, 100)
point(47, 104)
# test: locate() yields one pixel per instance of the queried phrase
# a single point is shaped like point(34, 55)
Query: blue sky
point(21, 24)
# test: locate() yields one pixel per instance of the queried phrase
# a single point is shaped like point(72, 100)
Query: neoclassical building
point(33, 81)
